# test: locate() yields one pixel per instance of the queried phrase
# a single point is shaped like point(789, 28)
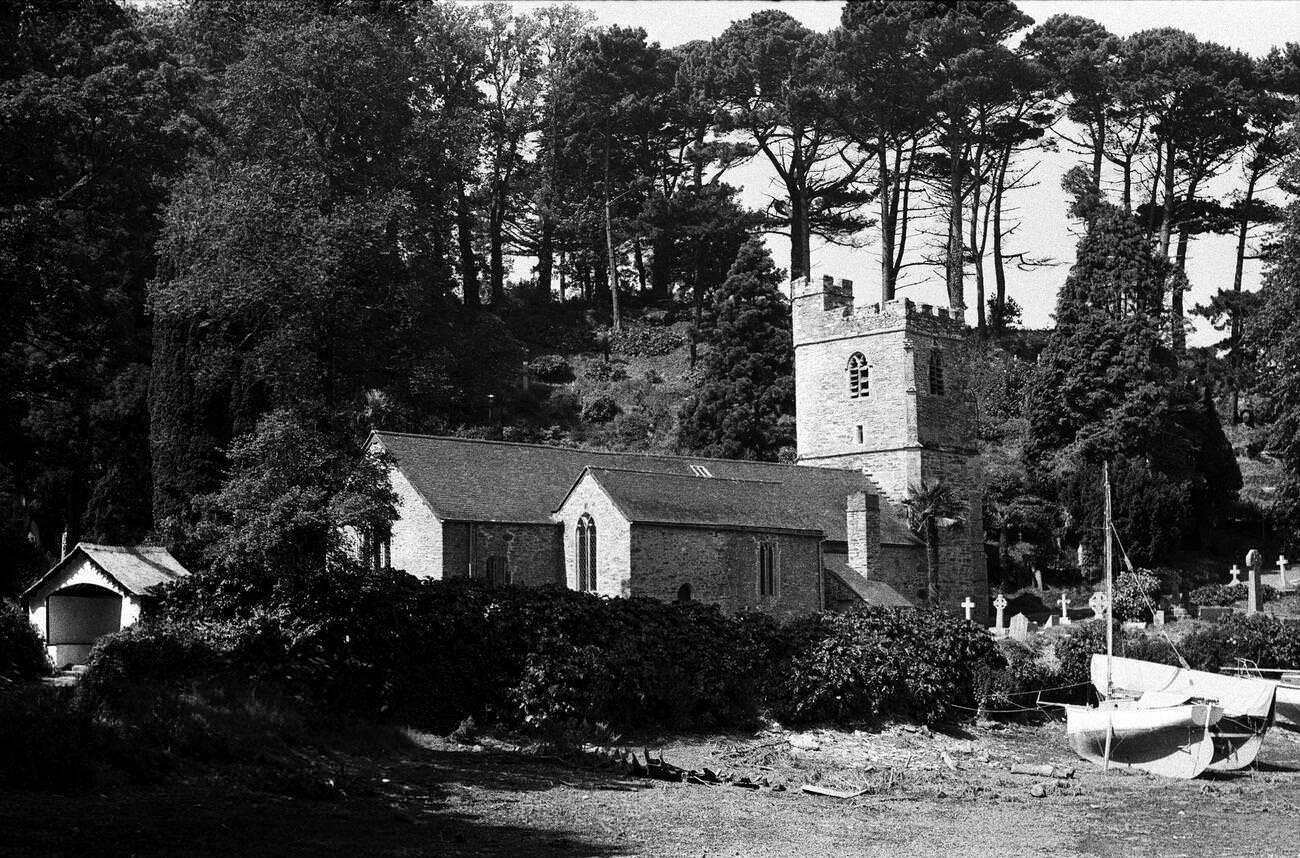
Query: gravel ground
point(926, 794)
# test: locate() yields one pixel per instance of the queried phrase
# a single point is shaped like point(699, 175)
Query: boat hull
point(1170, 741)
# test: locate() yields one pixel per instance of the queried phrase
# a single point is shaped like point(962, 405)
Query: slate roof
point(134, 568)
point(872, 592)
point(464, 479)
point(676, 499)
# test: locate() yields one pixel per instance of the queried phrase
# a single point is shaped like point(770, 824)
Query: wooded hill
point(236, 236)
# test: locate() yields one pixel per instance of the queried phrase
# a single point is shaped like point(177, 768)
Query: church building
point(880, 406)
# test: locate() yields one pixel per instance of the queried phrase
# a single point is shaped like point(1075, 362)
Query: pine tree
point(745, 406)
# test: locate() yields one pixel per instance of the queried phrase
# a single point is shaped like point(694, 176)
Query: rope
point(1128, 564)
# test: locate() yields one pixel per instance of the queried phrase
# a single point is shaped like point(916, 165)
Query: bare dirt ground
point(928, 794)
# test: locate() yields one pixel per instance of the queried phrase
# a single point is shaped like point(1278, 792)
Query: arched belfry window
point(586, 553)
point(859, 376)
point(936, 373)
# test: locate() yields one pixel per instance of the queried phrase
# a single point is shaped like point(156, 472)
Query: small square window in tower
point(859, 376)
point(936, 373)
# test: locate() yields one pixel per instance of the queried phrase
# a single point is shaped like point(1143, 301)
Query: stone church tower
point(883, 388)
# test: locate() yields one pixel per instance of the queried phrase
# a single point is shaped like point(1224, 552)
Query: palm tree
point(931, 506)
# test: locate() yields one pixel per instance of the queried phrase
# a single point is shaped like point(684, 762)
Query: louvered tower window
point(859, 376)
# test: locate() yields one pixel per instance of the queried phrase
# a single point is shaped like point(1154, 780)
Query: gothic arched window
point(859, 376)
point(586, 553)
point(936, 373)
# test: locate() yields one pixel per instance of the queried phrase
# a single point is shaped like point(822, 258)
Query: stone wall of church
point(532, 552)
point(721, 567)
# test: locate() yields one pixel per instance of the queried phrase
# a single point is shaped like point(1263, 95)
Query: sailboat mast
point(1110, 587)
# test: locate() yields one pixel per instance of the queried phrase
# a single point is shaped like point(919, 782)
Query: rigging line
point(1150, 606)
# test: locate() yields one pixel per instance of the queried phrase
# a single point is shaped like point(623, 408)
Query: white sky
point(1253, 27)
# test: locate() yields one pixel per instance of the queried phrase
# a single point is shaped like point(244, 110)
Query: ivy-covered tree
point(745, 405)
point(1272, 333)
point(1107, 388)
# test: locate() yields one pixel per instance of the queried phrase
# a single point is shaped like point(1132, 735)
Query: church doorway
point(684, 593)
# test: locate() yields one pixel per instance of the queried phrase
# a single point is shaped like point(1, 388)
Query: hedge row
point(433, 653)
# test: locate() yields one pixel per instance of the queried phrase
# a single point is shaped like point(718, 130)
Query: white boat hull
point(1170, 741)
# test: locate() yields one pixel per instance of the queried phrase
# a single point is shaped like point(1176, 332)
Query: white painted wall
point(93, 624)
point(613, 538)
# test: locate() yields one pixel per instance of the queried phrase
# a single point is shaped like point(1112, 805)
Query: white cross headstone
point(968, 606)
point(1065, 610)
point(1097, 601)
point(1000, 603)
point(1282, 563)
point(1235, 571)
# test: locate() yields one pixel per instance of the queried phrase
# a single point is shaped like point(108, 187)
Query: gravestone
point(1282, 563)
point(1235, 572)
point(1158, 618)
point(1252, 586)
point(1000, 605)
point(1065, 610)
point(1180, 613)
point(1097, 601)
point(968, 606)
point(1020, 627)
point(1038, 579)
point(1213, 613)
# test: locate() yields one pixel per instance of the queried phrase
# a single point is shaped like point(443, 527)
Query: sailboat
point(1286, 710)
point(1166, 733)
point(1248, 704)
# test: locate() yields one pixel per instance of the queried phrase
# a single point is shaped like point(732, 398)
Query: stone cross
point(1235, 571)
point(1020, 627)
point(1000, 603)
point(1065, 609)
point(968, 606)
point(1097, 601)
point(1282, 563)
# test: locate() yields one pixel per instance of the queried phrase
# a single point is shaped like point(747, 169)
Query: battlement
point(824, 306)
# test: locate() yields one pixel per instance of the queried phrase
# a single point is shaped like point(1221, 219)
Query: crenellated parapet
point(824, 309)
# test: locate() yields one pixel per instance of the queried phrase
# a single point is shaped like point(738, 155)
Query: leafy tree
point(932, 506)
point(746, 399)
point(289, 509)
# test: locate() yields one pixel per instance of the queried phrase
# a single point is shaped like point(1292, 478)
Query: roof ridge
point(121, 549)
point(686, 476)
point(491, 441)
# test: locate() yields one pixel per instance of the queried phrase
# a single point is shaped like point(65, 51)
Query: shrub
point(1226, 595)
point(872, 662)
point(1136, 592)
point(606, 371)
point(601, 409)
point(1010, 690)
point(1260, 638)
point(553, 369)
point(646, 340)
point(22, 653)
